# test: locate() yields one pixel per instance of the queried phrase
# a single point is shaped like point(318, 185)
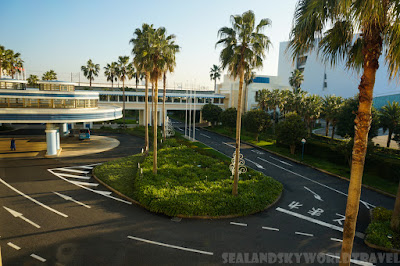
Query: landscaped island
point(192, 180)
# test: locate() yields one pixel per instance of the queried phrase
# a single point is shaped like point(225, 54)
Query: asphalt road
point(60, 221)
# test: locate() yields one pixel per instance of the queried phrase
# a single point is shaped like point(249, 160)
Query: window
point(168, 100)
point(103, 98)
point(45, 103)
point(141, 99)
point(113, 98)
point(70, 103)
point(200, 100)
point(177, 100)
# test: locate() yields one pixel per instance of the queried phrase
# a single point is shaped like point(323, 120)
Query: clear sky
point(63, 35)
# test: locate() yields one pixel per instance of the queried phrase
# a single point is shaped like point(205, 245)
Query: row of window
point(56, 87)
point(12, 86)
point(119, 98)
point(46, 103)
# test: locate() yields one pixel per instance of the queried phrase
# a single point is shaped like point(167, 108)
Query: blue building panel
point(380, 101)
point(263, 80)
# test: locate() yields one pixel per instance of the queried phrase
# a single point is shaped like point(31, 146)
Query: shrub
point(256, 121)
point(228, 117)
point(379, 231)
point(211, 113)
point(291, 130)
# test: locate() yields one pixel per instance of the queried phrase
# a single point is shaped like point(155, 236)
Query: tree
point(330, 109)
point(311, 110)
point(90, 71)
point(389, 117)
point(376, 22)
point(256, 121)
point(296, 79)
point(32, 80)
point(291, 131)
point(270, 100)
point(49, 75)
point(110, 71)
point(211, 113)
point(228, 118)
point(215, 73)
point(122, 73)
point(2, 59)
point(244, 48)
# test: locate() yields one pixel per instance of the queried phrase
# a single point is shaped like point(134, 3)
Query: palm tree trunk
point(146, 114)
point(215, 85)
point(395, 221)
point(238, 127)
point(164, 98)
point(326, 128)
point(136, 82)
point(90, 83)
point(274, 119)
point(123, 101)
point(333, 130)
point(371, 51)
point(155, 127)
point(389, 138)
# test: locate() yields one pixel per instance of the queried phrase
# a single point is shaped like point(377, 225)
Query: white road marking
point(358, 262)
point(85, 167)
point(270, 228)
point(103, 192)
point(229, 145)
point(336, 239)
point(311, 180)
point(75, 176)
point(171, 246)
point(303, 234)
point(88, 166)
point(85, 183)
point(21, 216)
point(334, 227)
point(71, 199)
point(72, 170)
point(89, 189)
point(38, 258)
point(31, 199)
point(239, 224)
point(256, 164)
point(205, 135)
point(280, 161)
point(258, 152)
point(13, 246)
point(318, 197)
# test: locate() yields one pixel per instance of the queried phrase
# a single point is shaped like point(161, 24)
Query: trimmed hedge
point(379, 231)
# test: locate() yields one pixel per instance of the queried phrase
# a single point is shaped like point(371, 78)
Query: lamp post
point(303, 141)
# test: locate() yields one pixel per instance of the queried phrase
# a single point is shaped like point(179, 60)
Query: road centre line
point(38, 258)
point(229, 145)
point(13, 246)
point(239, 224)
point(303, 234)
point(358, 262)
point(270, 228)
point(280, 161)
point(336, 239)
point(171, 246)
point(334, 227)
point(256, 164)
point(311, 180)
point(205, 135)
point(33, 200)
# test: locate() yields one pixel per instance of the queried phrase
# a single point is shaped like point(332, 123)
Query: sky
point(64, 35)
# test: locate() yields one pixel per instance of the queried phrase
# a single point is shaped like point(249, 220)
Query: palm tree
point(311, 110)
point(296, 79)
point(330, 108)
point(49, 75)
point(32, 80)
point(390, 119)
point(249, 76)
point(141, 59)
point(90, 71)
point(244, 48)
point(122, 72)
point(2, 59)
point(215, 73)
point(110, 71)
point(376, 22)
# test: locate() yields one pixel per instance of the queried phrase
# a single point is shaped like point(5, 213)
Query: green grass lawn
point(192, 180)
point(379, 231)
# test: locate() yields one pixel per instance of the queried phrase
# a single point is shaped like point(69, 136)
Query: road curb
point(391, 250)
point(313, 167)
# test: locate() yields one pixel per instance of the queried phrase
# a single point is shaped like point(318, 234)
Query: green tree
point(311, 110)
point(389, 117)
point(256, 121)
point(90, 71)
point(330, 109)
point(2, 59)
point(270, 100)
point(33, 80)
point(295, 80)
point(291, 131)
point(211, 113)
point(244, 46)
point(215, 73)
point(228, 118)
point(122, 72)
point(49, 75)
point(336, 22)
point(110, 71)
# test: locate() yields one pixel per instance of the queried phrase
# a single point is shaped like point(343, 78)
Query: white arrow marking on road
point(228, 145)
point(259, 166)
point(318, 197)
point(71, 199)
point(21, 216)
point(205, 135)
point(280, 161)
point(366, 204)
point(258, 152)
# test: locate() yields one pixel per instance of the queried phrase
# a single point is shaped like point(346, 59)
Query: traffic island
point(193, 181)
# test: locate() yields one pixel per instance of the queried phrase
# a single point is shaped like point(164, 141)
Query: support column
point(58, 139)
point(159, 117)
point(51, 142)
point(141, 118)
point(201, 117)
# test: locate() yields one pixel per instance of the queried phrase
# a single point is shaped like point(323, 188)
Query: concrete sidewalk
point(35, 146)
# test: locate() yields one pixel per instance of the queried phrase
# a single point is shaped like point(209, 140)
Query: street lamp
point(303, 141)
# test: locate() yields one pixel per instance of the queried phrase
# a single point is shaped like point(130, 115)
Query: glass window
point(169, 100)
point(200, 100)
point(58, 103)
point(45, 103)
point(103, 98)
point(3, 102)
point(80, 103)
point(177, 99)
point(70, 103)
point(113, 98)
point(120, 98)
point(141, 99)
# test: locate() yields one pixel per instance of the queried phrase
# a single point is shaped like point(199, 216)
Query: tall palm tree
point(122, 72)
point(32, 80)
point(49, 75)
point(377, 22)
point(390, 119)
point(2, 59)
point(110, 71)
point(330, 108)
point(170, 63)
point(244, 48)
point(90, 71)
point(296, 79)
point(215, 73)
point(311, 110)
point(141, 59)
